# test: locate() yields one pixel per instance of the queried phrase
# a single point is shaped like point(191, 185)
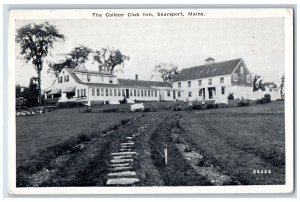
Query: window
point(179, 85)
point(209, 81)
point(168, 93)
point(223, 90)
point(98, 92)
point(131, 93)
point(81, 92)
point(134, 93)
point(248, 79)
point(66, 78)
point(142, 93)
point(179, 94)
point(190, 94)
point(115, 92)
point(84, 94)
point(119, 92)
point(138, 93)
point(106, 92)
point(189, 83)
point(199, 82)
point(110, 92)
point(235, 77)
point(60, 79)
point(110, 80)
point(123, 92)
point(155, 92)
point(148, 93)
point(102, 92)
point(200, 92)
point(78, 93)
point(152, 93)
point(88, 77)
point(93, 91)
point(242, 70)
point(222, 80)
point(145, 91)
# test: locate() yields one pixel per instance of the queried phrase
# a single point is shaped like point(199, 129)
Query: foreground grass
point(241, 140)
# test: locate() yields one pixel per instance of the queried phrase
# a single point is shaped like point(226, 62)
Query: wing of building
point(211, 81)
point(215, 81)
point(97, 87)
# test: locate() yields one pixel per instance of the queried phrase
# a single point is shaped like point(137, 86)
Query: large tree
point(35, 41)
point(168, 72)
point(75, 59)
point(109, 58)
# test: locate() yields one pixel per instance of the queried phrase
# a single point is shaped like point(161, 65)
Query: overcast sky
point(184, 42)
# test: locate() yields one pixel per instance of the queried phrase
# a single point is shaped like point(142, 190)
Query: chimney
point(209, 61)
point(136, 77)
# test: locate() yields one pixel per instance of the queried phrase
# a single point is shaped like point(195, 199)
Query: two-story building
point(214, 81)
point(97, 87)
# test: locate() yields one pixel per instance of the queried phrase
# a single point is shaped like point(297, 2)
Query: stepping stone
point(121, 160)
point(122, 174)
point(123, 153)
point(123, 149)
point(129, 138)
point(121, 168)
point(119, 164)
point(127, 143)
point(123, 157)
point(122, 181)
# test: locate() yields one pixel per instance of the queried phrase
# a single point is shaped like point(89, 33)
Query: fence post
point(166, 154)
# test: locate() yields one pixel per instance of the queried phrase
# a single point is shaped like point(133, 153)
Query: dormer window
point(179, 85)
point(209, 81)
point(110, 80)
point(88, 78)
point(189, 83)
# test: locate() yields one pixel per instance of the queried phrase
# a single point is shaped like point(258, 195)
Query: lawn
point(37, 132)
point(241, 140)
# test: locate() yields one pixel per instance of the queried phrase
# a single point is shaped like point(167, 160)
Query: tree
point(258, 84)
point(168, 72)
point(35, 41)
point(109, 58)
point(74, 60)
point(281, 87)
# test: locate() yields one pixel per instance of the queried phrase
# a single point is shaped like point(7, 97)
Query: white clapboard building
point(93, 87)
point(215, 81)
point(212, 81)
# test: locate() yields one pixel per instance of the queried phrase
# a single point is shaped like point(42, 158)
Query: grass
point(241, 140)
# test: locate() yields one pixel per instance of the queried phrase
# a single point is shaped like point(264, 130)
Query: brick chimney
point(209, 61)
point(136, 77)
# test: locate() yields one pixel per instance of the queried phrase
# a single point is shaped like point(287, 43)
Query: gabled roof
point(208, 70)
point(142, 83)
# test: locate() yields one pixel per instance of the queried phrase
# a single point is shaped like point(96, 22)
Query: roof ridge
point(212, 63)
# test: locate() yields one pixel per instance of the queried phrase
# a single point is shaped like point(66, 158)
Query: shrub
point(177, 108)
point(244, 103)
point(230, 96)
point(212, 106)
point(267, 97)
point(124, 121)
point(83, 138)
point(147, 109)
point(187, 149)
point(197, 106)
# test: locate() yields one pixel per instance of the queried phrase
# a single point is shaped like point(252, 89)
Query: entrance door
point(127, 93)
point(174, 95)
point(211, 92)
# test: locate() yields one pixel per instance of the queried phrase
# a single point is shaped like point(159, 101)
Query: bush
point(147, 109)
point(124, 121)
point(230, 96)
point(198, 106)
point(244, 103)
point(83, 138)
point(267, 97)
point(177, 108)
point(212, 106)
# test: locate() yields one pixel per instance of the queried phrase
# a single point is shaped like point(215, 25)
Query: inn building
point(212, 81)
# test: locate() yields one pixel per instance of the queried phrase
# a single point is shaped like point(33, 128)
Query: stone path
point(122, 172)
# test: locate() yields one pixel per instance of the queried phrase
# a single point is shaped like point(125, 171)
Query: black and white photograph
point(170, 100)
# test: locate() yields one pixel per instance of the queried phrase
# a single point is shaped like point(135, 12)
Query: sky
point(183, 42)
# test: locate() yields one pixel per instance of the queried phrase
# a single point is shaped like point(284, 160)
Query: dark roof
point(70, 71)
point(92, 72)
point(143, 83)
point(210, 58)
point(208, 70)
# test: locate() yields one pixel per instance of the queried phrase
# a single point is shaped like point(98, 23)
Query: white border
point(209, 13)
